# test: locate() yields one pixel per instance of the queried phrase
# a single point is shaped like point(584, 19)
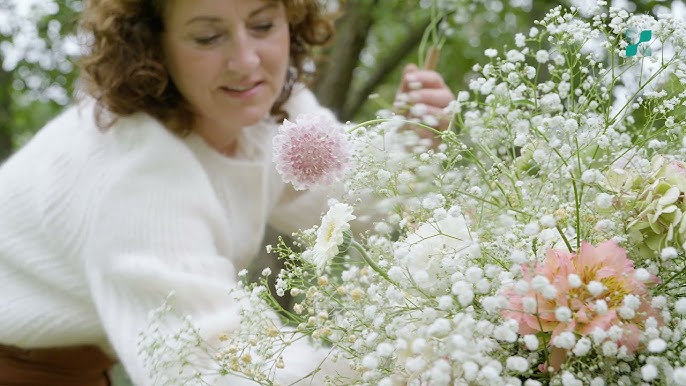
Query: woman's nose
point(243, 55)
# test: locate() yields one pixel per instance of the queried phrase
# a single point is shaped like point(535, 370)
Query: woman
point(158, 180)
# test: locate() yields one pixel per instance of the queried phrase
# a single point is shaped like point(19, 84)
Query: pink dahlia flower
point(578, 281)
point(312, 151)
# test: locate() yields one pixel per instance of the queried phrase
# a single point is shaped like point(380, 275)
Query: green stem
point(664, 284)
point(370, 262)
point(373, 122)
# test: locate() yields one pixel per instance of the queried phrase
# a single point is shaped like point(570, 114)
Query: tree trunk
point(384, 68)
point(336, 73)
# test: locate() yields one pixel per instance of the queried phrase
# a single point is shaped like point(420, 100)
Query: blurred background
point(358, 73)
point(375, 39)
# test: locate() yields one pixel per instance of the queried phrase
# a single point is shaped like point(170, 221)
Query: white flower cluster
point(480, 268)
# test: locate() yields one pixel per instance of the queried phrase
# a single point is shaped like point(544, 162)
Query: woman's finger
point(413, 79)
point(436, 97)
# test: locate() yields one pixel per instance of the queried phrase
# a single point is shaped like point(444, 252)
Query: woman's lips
point(242, 91)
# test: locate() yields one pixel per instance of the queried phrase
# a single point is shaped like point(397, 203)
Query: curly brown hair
point(124, 71)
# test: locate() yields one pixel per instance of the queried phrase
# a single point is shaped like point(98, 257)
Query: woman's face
point(229, 59)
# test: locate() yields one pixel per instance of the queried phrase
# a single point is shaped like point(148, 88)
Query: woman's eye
point(263, 27)
point(207, 40)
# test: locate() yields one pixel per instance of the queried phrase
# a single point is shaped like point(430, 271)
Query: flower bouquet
point(542, 242)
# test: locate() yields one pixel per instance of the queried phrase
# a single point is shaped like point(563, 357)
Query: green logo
point(635, 39)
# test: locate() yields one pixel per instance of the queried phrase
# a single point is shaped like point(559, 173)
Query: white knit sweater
point(98, 227)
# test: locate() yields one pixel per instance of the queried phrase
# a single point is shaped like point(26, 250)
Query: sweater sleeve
point(158, 230)
point(155, 232)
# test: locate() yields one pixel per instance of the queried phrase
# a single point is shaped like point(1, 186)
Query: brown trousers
point(67, 366)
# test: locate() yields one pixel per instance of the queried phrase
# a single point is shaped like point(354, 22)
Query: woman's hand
point(423, 95)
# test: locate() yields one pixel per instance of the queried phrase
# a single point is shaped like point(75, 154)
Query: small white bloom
point(657, 346)
point(422, 278)
point(565, 340)
point(601, 306)
point(474, 274)
point(632, 301)
point(597, 381)
point(529, 304)
point(383, 228)
point(491, 52)
point(482, 286)
point(493, 304)
point(531, 342)
point(680, 306)
point(471, 370)
point(385, 349)
point(626, 313)
point(515, 56)
point(415, 364)
point(604, 225)
point(574, 280)
point(383, 176)
point(615, 333)
point(490, 373)
point(642, 274)
point(658, 302)
point(679, 376)
point(466, 297)
point(549, 292)
point(595, 287)
point(649, 372)
point(609, 348)
point(547, 221)
point(563, 314)
point(520, 40)
point(603, 200)
point(539, 283)
point(445, 303)
point(521, 286)
point(506, 332)
point(370, 362)
point(418, 345)
point(590, 176)
point(517, 363)
point(542, 56)
point(582, 347)
point(568, 379)
point(598, 335)
point(440, 328)
point(532, 229)
point(433, 201)
point(668, 253)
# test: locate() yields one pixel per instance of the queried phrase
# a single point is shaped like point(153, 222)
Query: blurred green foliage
point(38, 46)
point(37, 74)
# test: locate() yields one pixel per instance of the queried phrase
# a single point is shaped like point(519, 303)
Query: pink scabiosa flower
point(312, 151)
point(597, 287)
